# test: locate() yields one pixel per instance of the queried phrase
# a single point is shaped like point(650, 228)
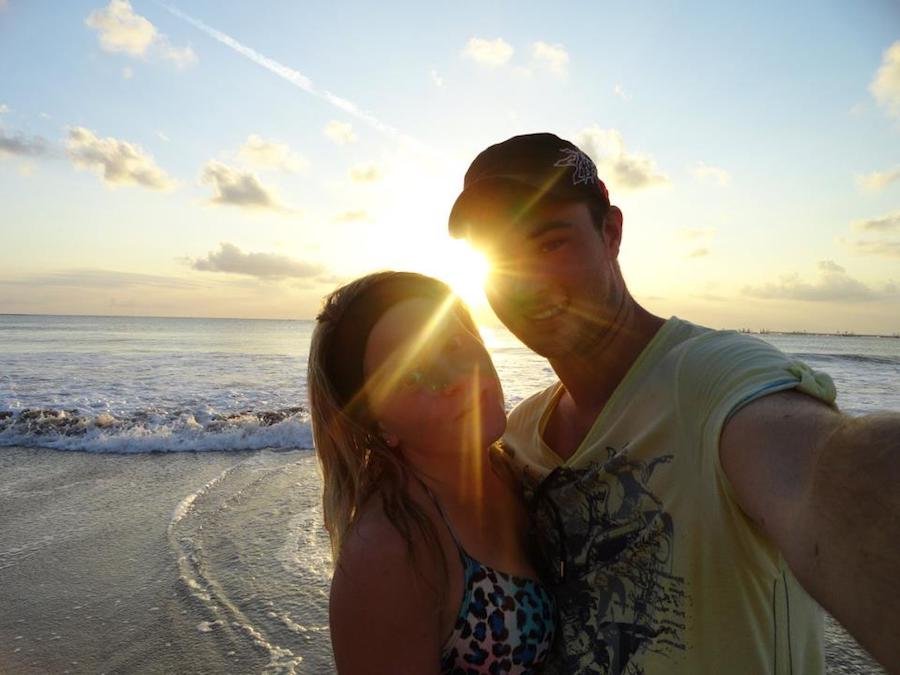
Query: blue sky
point(236, 159)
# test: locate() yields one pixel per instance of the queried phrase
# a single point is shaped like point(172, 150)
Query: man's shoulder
point(719, 371)
point(701, 348)
point(522, 439)
point(677, 347)
point(529, 411)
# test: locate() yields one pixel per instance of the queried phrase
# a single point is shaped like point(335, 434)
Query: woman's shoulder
point(376, 548)
point(379, 592)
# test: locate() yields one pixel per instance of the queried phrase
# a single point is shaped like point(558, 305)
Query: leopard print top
point(505, 623)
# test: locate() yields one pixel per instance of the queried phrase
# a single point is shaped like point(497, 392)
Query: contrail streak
point(296, 78)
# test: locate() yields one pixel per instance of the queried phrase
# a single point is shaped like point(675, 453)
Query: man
point(684, 480)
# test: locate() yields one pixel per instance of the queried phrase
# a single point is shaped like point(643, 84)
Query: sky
point(200, 158)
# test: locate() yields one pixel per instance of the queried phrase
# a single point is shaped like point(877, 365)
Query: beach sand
point(176, 563)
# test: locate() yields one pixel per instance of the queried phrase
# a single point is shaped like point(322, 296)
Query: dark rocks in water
point(265, 418)
point(41, 414)
point(40, 422)
point(268, 418)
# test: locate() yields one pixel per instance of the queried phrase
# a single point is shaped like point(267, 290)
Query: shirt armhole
point(715, 423)
point(797, 376)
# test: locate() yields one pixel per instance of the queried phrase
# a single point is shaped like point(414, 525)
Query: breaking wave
point(157, 430)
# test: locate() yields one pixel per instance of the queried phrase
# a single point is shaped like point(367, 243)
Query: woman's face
point(430, 382)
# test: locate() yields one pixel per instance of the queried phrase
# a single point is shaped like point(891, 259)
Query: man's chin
point(545, 343)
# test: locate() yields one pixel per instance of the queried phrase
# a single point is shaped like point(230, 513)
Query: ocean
point(159, 498)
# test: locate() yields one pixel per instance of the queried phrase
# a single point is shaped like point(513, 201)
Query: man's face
point(554, 280)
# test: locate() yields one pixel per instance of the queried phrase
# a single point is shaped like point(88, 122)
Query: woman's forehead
point(409, 324)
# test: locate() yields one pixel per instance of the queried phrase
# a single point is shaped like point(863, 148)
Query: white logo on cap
point(584, 169)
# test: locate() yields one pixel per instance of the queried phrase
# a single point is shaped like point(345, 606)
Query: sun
point(416, 193)
point(464, 269)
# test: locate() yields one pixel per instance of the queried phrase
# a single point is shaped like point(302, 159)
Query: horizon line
point(760, 331)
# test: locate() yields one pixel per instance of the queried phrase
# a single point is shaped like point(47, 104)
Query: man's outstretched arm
point(825, 488)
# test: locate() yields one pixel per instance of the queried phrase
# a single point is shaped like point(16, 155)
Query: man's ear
point(612, 231)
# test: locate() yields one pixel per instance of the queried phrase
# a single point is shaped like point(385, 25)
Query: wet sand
point(90, 577)
point(177, 563)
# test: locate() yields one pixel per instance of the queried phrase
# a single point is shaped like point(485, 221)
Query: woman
point(405, 405)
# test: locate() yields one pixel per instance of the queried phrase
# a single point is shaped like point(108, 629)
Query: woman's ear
point(391, 440)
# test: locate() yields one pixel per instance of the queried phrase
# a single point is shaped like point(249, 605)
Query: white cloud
point(340, 133)
point(180, 56)
point(236, 188)
point(119, 162)
point(833, 285)
point(715, 174)
point(367, 172)
point(23, 146)
point(878, 180)
point(553, 57)
point(162, 136)
point(830, 267)
point(884, 249)
point(620, 92)
point(230, 259)
point(122, 30)
point(888, 223)
point(885, 225)
point(270, 154)
point(436, 78)
point(699, 238)
point(886, 85)
point(352, 216)
point(696, 233)
point(492, 53)
point(99, 278)
point(3, 108)
point(618, 167)
point(127, 72)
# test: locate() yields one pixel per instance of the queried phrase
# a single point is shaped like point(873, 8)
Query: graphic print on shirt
point(607, 544)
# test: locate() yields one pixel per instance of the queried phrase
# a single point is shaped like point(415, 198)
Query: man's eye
point(551, 245)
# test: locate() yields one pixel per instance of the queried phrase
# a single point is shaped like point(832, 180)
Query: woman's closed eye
point(413, 378)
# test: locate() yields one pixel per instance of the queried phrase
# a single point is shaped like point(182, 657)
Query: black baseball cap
point(522, 170)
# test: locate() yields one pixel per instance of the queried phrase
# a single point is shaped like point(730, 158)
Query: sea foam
point(157, 431)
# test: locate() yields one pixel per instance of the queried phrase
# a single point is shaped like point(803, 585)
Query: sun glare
point(465, 269)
